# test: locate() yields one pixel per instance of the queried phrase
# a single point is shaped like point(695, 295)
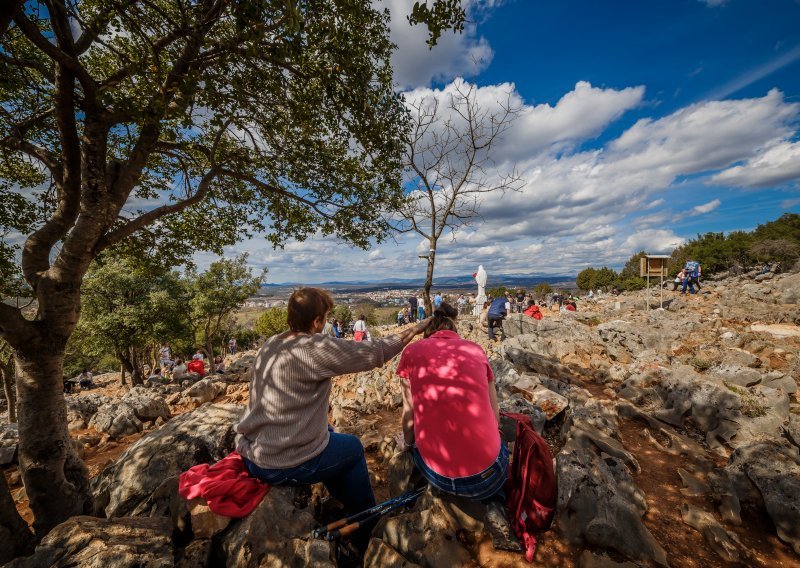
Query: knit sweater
point(286, 422)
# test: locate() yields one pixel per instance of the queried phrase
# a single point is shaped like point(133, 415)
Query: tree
point(226, 118)
point(498, 292)
point(271, 322)
point(215, 294)
point(778, 250)
point(343, 313)
point(543, 289)
point(449, 166)
point(594, 278)
point(127, 310)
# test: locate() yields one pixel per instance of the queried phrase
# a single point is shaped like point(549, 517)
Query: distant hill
point(461, 281)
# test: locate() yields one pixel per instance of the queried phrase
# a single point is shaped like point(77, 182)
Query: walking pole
point(379, 509)
point(351, 527)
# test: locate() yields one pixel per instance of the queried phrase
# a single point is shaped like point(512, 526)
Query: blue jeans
point(495, 322)
point(688, 282)
point(478, 487)
point(341, 466)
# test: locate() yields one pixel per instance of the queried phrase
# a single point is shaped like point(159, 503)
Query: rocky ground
point(675, 433)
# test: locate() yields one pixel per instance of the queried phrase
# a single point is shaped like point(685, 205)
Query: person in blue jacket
point(498, 310)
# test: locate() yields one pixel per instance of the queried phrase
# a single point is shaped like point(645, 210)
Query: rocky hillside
point(675, 434)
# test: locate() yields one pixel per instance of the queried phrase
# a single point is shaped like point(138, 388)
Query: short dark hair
point(443, 319)
point(305, 306)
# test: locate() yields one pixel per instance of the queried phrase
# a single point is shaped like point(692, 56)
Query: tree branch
point(146, 219)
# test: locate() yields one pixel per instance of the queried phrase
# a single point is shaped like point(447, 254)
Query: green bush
point(271, 322)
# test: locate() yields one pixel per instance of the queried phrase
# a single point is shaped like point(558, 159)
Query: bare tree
point(450, 167)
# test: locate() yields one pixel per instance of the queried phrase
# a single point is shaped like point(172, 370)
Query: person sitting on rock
point(85, 379)
point(533, 310)
point(179, 370)
point(450, 412)
point(197, 366)
point(219, 365)
point(156, 376)
point(284, 435)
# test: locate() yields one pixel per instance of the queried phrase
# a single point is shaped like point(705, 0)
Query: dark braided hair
point(443, 319)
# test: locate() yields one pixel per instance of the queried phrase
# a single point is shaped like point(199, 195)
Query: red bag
point(532, 488)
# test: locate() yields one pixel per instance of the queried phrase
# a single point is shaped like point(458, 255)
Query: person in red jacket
point(533, 310)
point(197, 366)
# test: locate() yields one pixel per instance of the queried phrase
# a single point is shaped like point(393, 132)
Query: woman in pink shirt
point(450, 411)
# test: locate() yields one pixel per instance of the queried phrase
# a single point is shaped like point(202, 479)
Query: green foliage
point(700, 364)
point(251, 116)
point(628, 279)
point(543, 289)
point(271, 322)
point(443, 15)
point(774, 241)
point(126, 308)
point(498, 291)
point(594, 278)
point(215, 294)
point(343, 313)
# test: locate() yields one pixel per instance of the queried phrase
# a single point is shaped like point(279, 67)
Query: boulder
point(116, 419)
point(600, 505)
point(147, 404)
point(276, 533)
point(788, 289)
point(142, 480)
point(205, 390)
point(90, 542)
point(767, 475)
point(9, 440)
point(81, 408)
point(381, 555)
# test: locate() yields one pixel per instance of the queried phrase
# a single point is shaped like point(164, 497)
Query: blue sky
point(642, 124)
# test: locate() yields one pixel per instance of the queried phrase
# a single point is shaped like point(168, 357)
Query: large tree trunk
point(131, 363)
point(8, 392)
point(15, 537)
point(55, 478)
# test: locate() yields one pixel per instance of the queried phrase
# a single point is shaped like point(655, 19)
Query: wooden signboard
point(653, 266)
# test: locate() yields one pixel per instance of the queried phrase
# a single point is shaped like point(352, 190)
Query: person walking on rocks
point(498, 310)
point(458, 452)
point(412, 308)
point(232, 346)
point(284, 436)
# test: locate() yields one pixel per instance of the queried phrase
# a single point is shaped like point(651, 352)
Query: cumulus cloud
point(455, 54)
point(582, 207)
point(775, 165)
point(653, 241)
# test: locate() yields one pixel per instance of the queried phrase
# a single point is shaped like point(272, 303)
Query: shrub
point(271, 322)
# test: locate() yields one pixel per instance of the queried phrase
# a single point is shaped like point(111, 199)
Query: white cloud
point(465, 54)
point(653, 241)
point(581, 207)
point(713, 2)
point(706, 207)
point(777, 164)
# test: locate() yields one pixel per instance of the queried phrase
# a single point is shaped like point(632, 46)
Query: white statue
point(480, 278)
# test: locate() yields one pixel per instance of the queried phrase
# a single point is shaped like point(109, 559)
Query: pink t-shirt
point(454, 425)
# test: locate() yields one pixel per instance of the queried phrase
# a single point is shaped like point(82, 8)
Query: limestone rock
point(204, 390)
point(276, 533)
point(381, 555)
point(205, 523)
point(147, 404)
point(724, 543)
point(9, 440)
point(142, 480)
point(600, 505)
point(90, 542)
point(768, 474)
point(116, 419)
point(81, 408)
